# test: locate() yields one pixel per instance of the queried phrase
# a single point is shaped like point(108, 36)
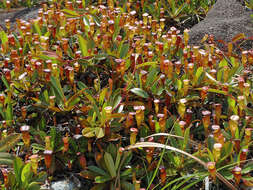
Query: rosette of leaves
point(111, 171)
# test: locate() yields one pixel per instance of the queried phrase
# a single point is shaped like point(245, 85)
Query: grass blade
point(158, 145)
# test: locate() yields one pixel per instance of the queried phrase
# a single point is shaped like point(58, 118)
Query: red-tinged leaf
point(238, 37)
point(55, 109)
point(51, 54)
point(88, 174)
point(152, 63)
point(118, 115)
point(70, 13)
point(214, 91)
point(222, 42)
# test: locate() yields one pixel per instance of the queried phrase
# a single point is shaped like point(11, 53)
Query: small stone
point(64, 185)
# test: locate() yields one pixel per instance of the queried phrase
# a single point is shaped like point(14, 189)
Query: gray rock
point(63, 185)
point(224, 21)
point(68, 184)
point(20, 13)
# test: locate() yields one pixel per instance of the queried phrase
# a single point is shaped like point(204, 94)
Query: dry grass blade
point(158, 145)
point(176, 136)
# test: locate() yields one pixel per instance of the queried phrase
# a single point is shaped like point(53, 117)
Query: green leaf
point(9, 112)
point(178, 179)
point(5, 82)
point(178, 130)
point(6, 161)
point(84, 2)
point(227, 174)
point(37, 27)
point(248, 168)
point(73, 100)
point(248, 178)
point(126, 172)
point(81, 85)
point(83, 45)
point(192, 183)
point(53, 134)
point(88, 132)
point(151, 76)
point(102, 179)
point(237, 133)
point(219, 74)
point(217, 91)
point(116, 27)
point(57, 87)
point(102, 96)
point(73, 103)
point(117, 161)
point(9, 142)
point(127, 186)
point(210, 154)
point(186, 137)
point(198, 73)
point(223, 63)
point(110, 164)
point(232, 105)
point(70, 13)
point(97, 170)
point(42, 123)
point(123, 50)
point(117, 101)
point(17, 165)
point(86, 23)
point(36, 146)
point(88, 174)
point(99, 132)
point(96, 20)
point(26, 173)
point(6, 155)
point(112, 149)
point(139, 92)
point(3, 37)
point(100, 186)
point(235, 70)
point(33, 186)
point(153, 64)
